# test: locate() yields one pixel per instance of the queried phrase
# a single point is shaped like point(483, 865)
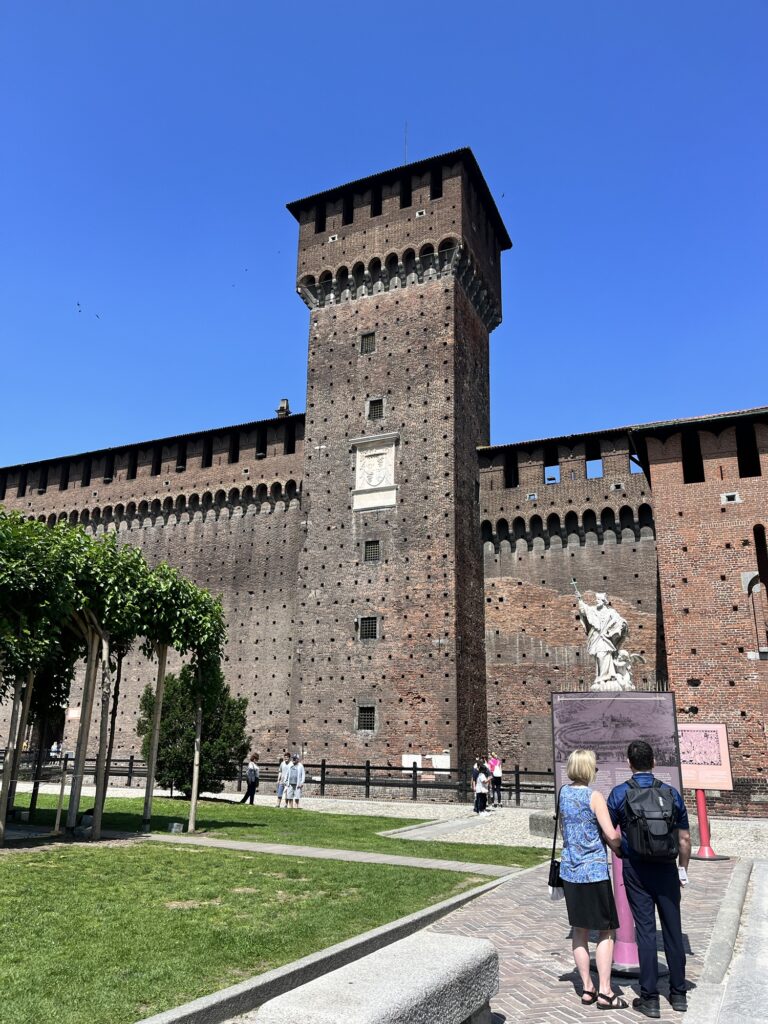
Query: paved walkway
point(532, 936)
point(320, 853)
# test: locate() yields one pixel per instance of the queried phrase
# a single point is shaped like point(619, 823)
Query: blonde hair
point(582, 766)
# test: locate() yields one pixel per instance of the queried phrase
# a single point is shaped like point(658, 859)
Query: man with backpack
point(252, 779)
point(655, 850)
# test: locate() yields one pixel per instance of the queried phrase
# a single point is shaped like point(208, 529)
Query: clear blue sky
point(149, 148)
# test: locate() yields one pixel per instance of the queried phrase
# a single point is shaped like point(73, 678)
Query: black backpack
point(651, 821)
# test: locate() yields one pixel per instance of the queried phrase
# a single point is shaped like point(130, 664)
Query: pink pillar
point(705, 851)
point(625, 956)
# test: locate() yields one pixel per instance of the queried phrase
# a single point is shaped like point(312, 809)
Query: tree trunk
point(41, 730)
point(8, 760)
point(196, 766)
point(113, 720)
point(162, 656)
point(101, 757)
point(17, 754)
point(81, 748)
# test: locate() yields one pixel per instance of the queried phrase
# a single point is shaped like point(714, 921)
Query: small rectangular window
point(372, 550)
point(21, 489)
point(747, 452)
point(64, 477)
point(85, 479)
point(376, 201)
point(133, 464)
point(406, 192)
point(368, 343)
point(366, 717)
point(157, 459)
point(3, 485)
point(552, 474)
point(109, 467)
point(207, 459)
point(369, 628)
point(376, 409)
point(436, 183)
point(511, 472)
point(181, 456)
point(42, 480)
point(347, 209)
point(594, 469)
point(261, 442)
point(693, 462)
point(319, 218)
point(234, 447)
point(289, 444)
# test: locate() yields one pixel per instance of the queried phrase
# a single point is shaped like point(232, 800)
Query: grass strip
point(110, 934)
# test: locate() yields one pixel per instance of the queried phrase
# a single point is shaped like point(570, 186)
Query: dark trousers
point(652, 887)
point(481, 801)
point(250, 791)
point(496, 789)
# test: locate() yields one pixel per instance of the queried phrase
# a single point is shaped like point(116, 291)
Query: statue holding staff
point(606, 632)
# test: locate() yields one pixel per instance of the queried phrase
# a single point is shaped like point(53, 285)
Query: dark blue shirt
point(618, 817)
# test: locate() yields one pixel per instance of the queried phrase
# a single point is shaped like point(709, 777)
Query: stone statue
point(606, 632)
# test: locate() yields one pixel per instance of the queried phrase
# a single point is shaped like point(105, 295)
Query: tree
point(224, 744)
point(37, 597)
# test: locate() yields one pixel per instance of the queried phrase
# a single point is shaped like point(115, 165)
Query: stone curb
point(248, 995)
point(726, 926)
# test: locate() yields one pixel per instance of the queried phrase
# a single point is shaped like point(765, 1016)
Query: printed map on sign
point(704, 757)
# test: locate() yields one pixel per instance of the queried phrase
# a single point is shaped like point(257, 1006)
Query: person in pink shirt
point(494, 764)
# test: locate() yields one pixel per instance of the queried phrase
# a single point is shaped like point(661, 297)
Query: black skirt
point(591, 905)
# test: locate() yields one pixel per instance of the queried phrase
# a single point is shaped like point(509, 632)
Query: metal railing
point(413, 781)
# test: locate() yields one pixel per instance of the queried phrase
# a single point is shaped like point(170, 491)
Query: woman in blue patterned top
point(584, 873)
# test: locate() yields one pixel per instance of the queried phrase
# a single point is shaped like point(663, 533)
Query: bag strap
point(557, 818)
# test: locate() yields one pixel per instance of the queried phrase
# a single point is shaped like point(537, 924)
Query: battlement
point(257, 456)
point(403, 227)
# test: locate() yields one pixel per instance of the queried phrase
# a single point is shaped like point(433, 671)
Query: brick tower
point(401, 274)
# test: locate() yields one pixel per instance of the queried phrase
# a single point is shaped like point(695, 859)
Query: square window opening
point(372, 551)
point(366, 717)
point(368, 343)
point(376, 409)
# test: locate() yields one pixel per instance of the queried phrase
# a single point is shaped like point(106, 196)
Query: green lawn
point(112, 934)
point(298, 828)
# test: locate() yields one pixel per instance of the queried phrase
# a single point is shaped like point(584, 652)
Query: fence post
point(130, 771)
point(322, 777)
point(517, 785)
point(415, 782)
point(367, 779)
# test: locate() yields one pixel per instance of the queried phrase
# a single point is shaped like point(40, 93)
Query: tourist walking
point(656, 848)
point(295, 782)
point(282, 777)
point(584, 873)
point(252, 779)
point(482, 783)
point(494, 764)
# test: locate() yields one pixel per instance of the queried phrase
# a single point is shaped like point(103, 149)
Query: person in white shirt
point(295, 781)
point(282, 777)
point(481, 789)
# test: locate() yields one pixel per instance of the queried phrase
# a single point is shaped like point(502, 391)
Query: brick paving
point(538, 980)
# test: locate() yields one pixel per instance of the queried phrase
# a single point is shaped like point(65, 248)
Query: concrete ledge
point(726, 926)
point(446, 978)
point(247, 995)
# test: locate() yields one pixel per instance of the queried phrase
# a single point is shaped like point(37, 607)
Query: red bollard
point(705, 851)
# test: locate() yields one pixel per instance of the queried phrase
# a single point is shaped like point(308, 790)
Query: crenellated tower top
point(404, 226)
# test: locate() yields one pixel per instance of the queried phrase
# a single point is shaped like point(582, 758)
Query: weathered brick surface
point(706, 556)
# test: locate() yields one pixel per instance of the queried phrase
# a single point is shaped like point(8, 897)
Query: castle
point(397, 588)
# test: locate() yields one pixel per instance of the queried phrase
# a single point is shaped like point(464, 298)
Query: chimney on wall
point(284, 408)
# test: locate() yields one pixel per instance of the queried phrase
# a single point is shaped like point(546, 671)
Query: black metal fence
point(413, 781)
